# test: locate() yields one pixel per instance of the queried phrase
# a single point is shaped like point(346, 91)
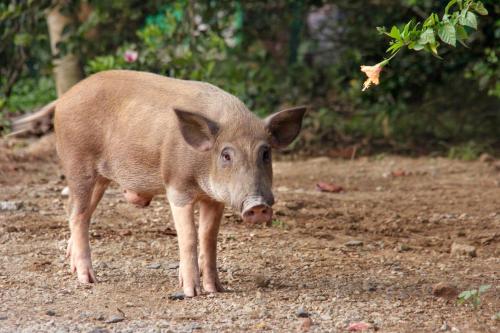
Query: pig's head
point(238, 156)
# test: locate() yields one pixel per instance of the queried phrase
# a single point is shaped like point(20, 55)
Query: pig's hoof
point(84, 271)
point(213, 288)
point(212, 285)
point(192, 291)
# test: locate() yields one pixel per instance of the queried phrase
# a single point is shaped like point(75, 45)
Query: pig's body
point(152, 135)
point(126, 128)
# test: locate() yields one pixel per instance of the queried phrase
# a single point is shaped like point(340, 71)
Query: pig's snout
point(257, 210)
point(258, 214)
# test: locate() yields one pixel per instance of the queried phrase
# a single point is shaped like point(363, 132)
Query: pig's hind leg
point(85, 194)
point(208, 229)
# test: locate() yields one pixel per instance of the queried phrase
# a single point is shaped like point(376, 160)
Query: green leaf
point(406, 29)
point(433, 48)
point(461, 33)
point(468, 19)
point(427, 37)
point(465, 295)
point(447, 34)
point(478, 7)
point(395, 33)
point(483, 288)
point(395, 46)
point(22, 39)
point(416, 46)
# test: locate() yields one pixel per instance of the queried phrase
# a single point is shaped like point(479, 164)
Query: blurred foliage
point(275, 54)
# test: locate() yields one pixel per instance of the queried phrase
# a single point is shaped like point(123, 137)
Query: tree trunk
point(67, 69)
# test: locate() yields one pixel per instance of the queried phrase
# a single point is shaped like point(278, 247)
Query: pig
point(153, 135)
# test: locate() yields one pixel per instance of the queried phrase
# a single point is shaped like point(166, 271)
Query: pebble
point(262, 281)
point(444, 327)
point(153, 266)
point(463, 250)
point(50, 313)
point(305, 324)
point(294, 205)
point(11, 205)
point(173, 265)
point(354, 243)
point(65, 192)
point(179, 295)
point(445, 290)
point(3, 317)
point(403, 247)
point(301, 313)
point(194, 326)
point(115, 319)
point(486, 158)
point(369, 286)
point(99, 330)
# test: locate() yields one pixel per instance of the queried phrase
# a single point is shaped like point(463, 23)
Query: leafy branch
point(458, 20)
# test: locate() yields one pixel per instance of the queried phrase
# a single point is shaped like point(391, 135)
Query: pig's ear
point(285, 125)
point(198, 131)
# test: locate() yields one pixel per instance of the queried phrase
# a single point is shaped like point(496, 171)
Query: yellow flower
point(373, 73)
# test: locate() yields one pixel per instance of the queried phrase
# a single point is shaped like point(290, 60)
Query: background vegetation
point(277, 53)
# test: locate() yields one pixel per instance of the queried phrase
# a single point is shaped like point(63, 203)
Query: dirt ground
point(369, 254)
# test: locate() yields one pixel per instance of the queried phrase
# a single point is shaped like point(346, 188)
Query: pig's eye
point(225, 155)
point(266, 155)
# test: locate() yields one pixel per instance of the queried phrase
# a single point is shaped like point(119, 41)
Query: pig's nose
point(258, 214)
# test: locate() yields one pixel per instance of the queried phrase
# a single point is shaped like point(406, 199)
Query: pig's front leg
point(210, 218)
point(189, 274)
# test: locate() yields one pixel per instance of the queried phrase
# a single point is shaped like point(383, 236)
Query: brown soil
point(405, 223)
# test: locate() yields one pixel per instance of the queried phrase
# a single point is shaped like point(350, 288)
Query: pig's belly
point(137, 178)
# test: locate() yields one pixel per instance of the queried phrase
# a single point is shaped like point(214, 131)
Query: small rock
point(153, 266)
point(354, 243)
point(294, 205)
point(85, 315)
point(179, 295)
point(305, 324)
point(173, 265)
point(99, 330)
point(369, 286)
point(301, 313)
point(262, 281)
point(444, 327)
point(360, 326)
point(50, 313)
point(486, 158)
point(403, 247)
point(115, 319)
point(65, 192)
point(195, 326)
point(3, 317)
point(445, 290)
point(11, 205)
point(463, 250)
